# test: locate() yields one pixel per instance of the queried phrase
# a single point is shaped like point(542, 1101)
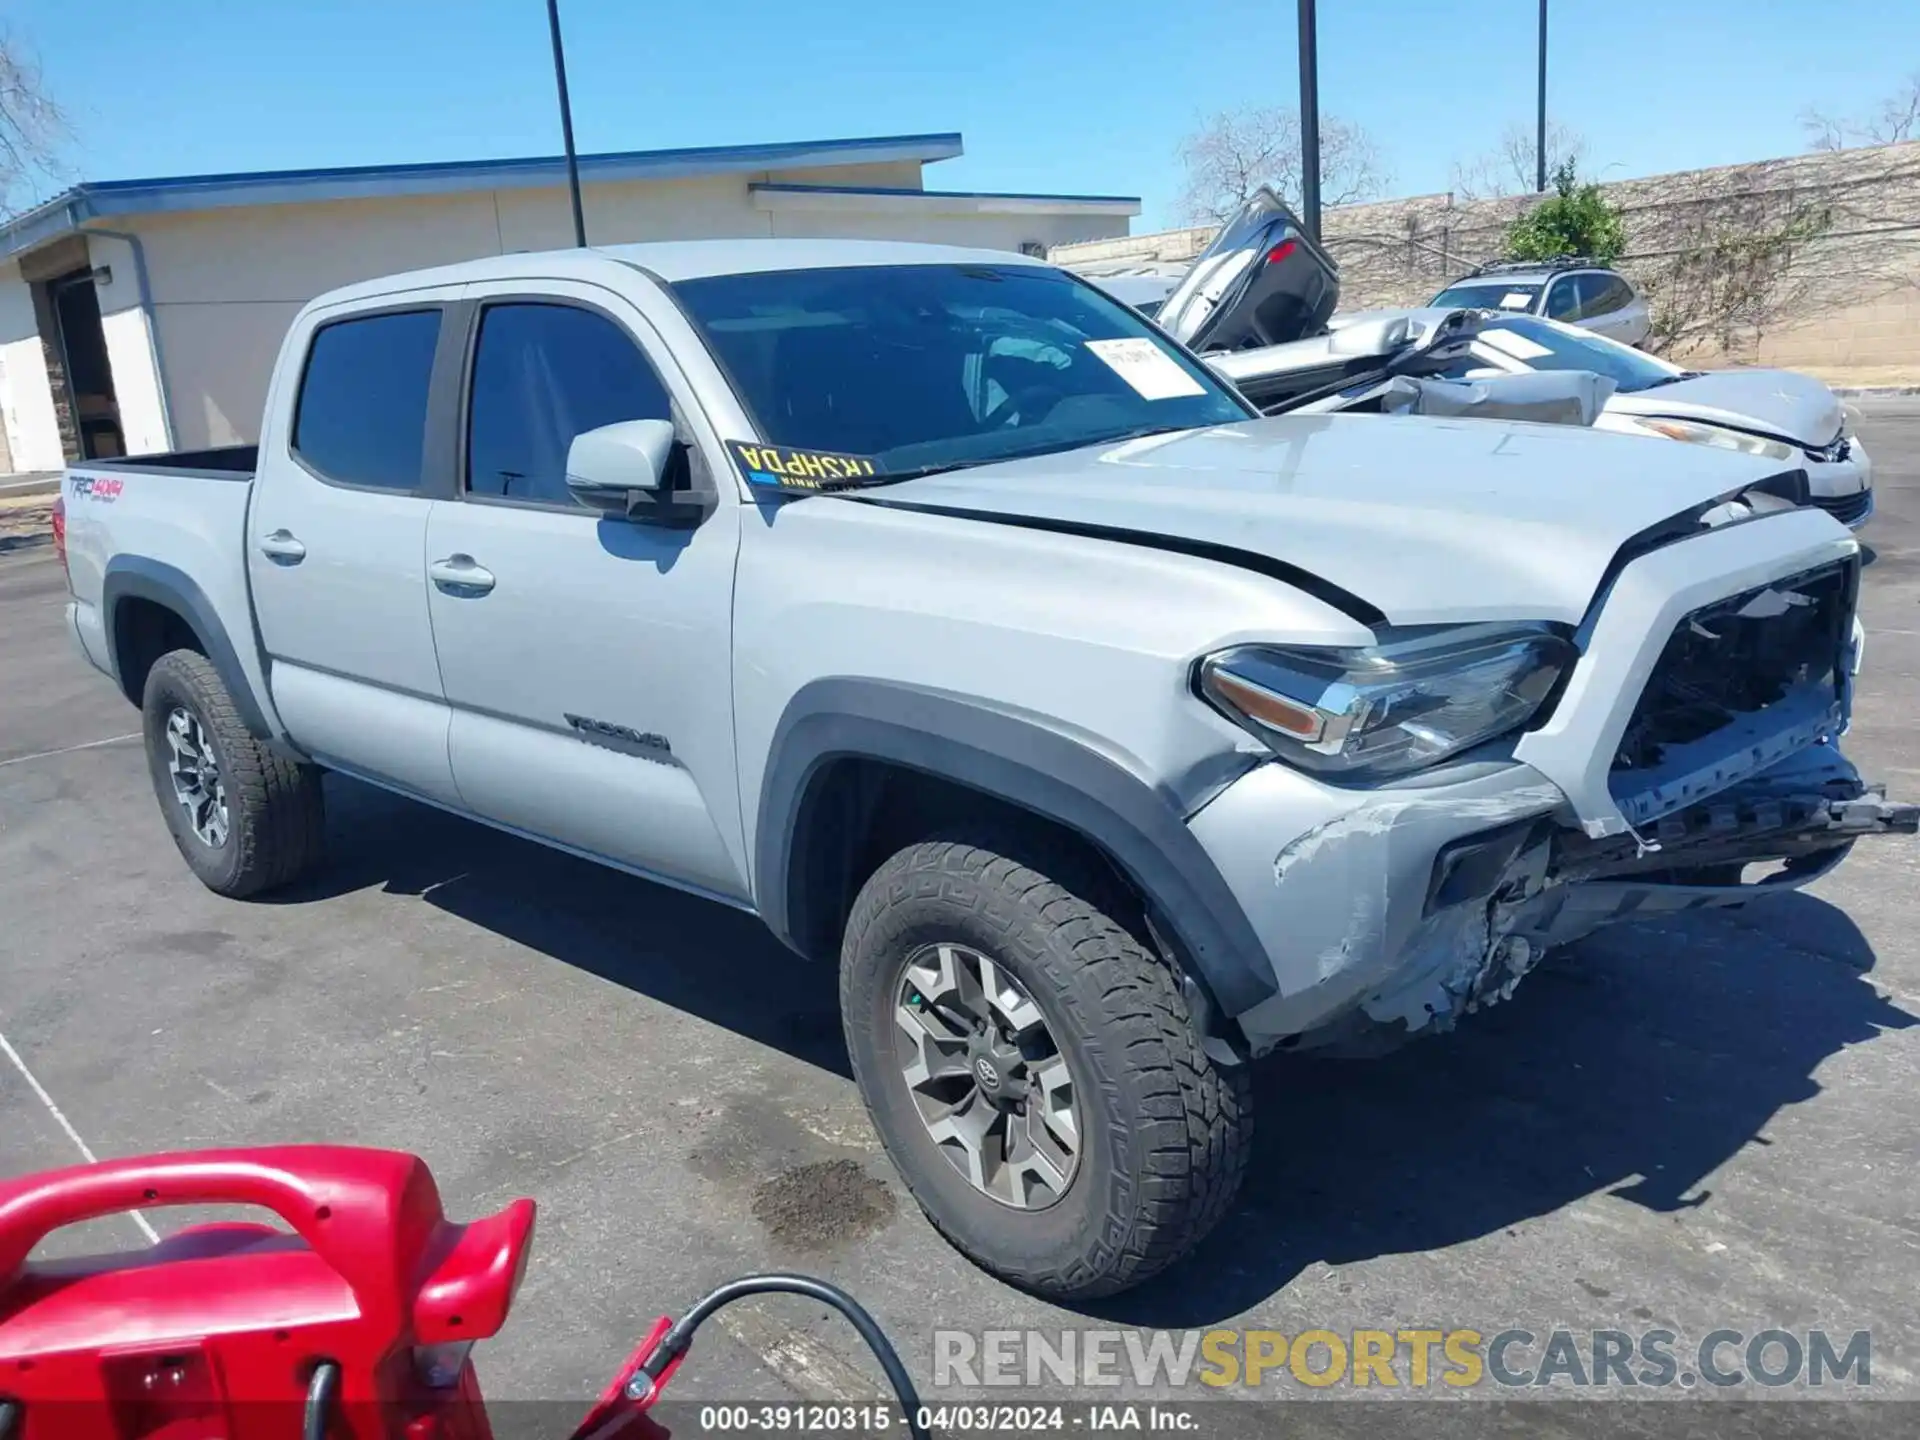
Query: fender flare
point(135, 577)
point(1027, 761)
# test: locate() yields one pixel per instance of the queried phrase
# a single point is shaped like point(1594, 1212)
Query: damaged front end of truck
point(1697, 771)
point(1729, 781)
point(1498, 901)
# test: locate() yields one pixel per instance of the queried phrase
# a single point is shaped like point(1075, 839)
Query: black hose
point(322, 1390)
point(677, 1339)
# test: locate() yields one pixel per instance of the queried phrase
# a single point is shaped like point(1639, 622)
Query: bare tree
point(1237, 151)
point(1897, 119)
point(1508, 168)
point(32, 128)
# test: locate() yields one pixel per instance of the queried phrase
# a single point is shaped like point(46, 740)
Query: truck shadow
point(693, 954)
point(1632, 1066)
point(1629, 1067)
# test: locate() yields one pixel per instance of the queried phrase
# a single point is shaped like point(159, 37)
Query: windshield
point(921, 367)
point(1544, 345)
point(1487, 295)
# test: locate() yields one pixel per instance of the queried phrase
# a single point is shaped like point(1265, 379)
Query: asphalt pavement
point(1704, 1123)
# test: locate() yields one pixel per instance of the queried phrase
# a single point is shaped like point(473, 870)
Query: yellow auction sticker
point(785, 468)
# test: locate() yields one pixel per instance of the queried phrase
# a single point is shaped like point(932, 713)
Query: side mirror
point(622, 469)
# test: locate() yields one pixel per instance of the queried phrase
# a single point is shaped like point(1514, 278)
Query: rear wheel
point(1033, 1071)
point(244, 818)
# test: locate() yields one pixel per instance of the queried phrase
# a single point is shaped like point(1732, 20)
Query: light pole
point(1310, 121)
point(1540, 133)
point(566, 123)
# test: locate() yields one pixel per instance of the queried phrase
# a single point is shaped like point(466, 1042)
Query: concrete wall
point(226, 283)
point(1848, 300)
point(1870, 341)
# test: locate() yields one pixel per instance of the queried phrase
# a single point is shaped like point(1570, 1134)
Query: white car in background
point(1779, 414)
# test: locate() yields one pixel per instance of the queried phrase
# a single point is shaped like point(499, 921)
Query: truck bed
point(161, 532)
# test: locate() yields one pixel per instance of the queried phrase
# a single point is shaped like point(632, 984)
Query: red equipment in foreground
point(355, 1325)
point(220, 1330)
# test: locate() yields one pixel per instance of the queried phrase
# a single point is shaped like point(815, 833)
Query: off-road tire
point(1166, 1131)
point(276, 814)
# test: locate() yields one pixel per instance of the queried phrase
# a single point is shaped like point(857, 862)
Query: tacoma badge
point(620, 737)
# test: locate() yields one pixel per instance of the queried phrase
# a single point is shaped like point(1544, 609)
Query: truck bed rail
point(227, 462)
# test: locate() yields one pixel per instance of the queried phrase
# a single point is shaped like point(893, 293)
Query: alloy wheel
point(198, 784)
point(986, 1076)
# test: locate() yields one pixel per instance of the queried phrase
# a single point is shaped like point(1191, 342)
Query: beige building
point(144, 315)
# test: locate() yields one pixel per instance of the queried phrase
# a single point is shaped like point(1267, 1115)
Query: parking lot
point(1699, 1124)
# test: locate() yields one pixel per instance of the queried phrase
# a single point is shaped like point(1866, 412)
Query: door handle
point(458, 575)
point(281, 545)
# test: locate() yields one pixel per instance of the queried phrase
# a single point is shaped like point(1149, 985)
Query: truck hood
point(1425, 521)
point(1792, 407)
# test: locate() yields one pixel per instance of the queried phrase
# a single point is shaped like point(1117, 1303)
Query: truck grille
point(1777, 647)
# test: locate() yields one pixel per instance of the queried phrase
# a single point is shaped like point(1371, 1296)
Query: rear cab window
point(361, 415)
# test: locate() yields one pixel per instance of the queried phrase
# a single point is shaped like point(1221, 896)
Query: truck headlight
point(1406, 702)
point(1695, 432)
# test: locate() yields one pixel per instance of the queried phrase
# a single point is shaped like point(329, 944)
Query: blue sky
point(1051, 95)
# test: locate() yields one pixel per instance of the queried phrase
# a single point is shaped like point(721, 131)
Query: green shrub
point(1575, 220)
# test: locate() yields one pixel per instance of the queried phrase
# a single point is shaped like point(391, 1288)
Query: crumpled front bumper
point(1843, 488)
point(1406, 907)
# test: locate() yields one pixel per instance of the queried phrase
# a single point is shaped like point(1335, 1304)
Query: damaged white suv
point(943, 612)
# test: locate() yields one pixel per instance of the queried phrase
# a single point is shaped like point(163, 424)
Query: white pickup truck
point(948, 615)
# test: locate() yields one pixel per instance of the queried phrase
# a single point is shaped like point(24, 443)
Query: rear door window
point(542, 374)
point(1563, 300)
point(1600, 294)
point(361, 417)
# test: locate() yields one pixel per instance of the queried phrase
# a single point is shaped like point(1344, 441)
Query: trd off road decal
point(781, 467)
point(102, 488)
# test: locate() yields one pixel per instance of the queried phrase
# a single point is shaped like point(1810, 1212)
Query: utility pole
point(1310, 121)
point(566, 122)
point(1540, 134)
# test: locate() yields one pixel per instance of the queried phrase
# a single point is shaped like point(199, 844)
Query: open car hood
point(1262, 281)
point(1425, 521)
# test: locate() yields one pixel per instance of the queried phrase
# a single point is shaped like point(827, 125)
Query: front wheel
point(1033, 1071)
point(244, 818)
